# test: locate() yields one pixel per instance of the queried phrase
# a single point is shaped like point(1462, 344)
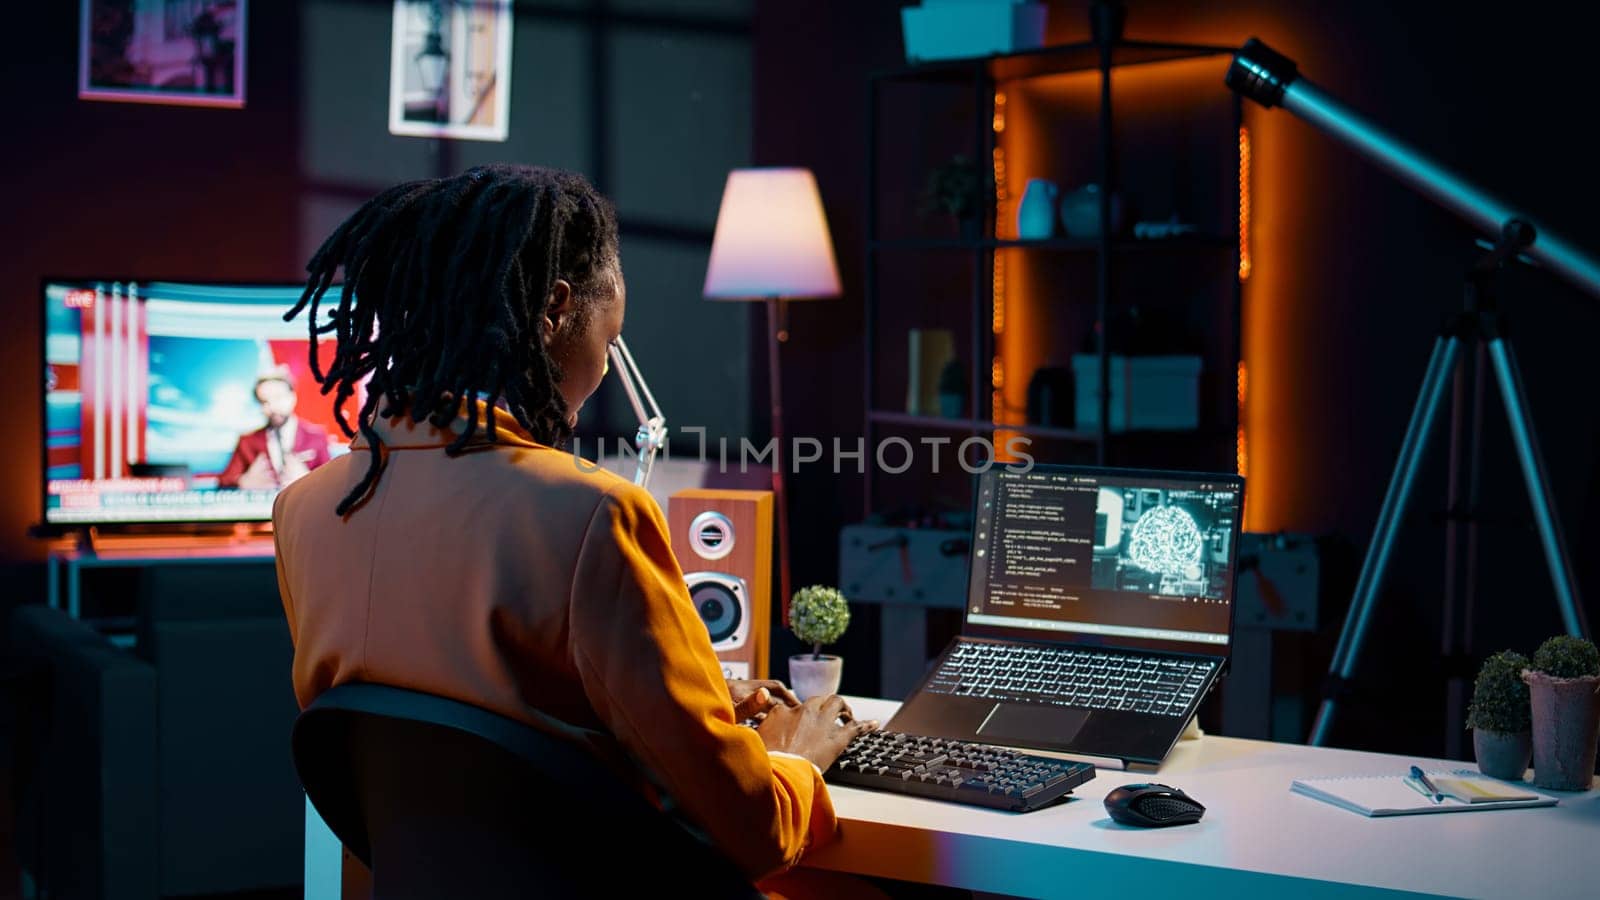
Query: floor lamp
point(772, 244)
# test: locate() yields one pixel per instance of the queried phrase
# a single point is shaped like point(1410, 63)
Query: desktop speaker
point(723, 540)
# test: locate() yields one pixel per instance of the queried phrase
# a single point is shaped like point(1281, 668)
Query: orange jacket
point(516, 578)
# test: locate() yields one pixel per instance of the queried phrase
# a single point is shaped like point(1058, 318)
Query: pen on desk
point(1418, 774)
point(1412, 783)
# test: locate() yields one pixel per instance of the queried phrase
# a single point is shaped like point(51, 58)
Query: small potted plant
point(1499, 717)
point(952, 389)
point(952, 190)
point(1564, 690)
point(817, 615)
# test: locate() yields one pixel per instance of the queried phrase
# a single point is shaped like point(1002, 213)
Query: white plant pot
point(815, 677)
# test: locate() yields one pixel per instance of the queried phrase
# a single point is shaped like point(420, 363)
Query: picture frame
point(450, 69)
point(177, 52)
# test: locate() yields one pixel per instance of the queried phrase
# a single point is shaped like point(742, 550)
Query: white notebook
point(1400, 795)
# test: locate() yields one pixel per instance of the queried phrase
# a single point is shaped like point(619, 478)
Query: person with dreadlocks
point(458, 550)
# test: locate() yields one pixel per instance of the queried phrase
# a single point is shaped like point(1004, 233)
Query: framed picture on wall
point(183, 52)
point(450, 69)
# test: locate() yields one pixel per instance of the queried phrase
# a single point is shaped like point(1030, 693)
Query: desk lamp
point(652, 434)
point(772, 244)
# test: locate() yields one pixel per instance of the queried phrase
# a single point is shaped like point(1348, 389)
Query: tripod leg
point(1533, 471)
point(1441, 368)
point(1460, 599)
point(1466, 420)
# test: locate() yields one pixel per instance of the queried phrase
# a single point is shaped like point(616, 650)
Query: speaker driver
point(720, 601)
point(711, 535)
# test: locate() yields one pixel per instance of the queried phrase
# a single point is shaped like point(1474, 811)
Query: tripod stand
point(1481, 324)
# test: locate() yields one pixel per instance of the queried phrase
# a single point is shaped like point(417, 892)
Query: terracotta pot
point(1501, 754)
point(815, 677)
point(1566, 728)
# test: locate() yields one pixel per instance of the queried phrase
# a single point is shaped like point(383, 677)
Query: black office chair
point(442, 799)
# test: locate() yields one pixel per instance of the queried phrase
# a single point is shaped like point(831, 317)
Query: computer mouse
point(1152, 806)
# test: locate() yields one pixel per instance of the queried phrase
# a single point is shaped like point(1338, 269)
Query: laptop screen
point(1127, 559)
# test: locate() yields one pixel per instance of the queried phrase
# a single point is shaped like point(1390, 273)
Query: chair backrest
point(445, 799)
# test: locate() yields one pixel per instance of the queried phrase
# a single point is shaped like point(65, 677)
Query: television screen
point(168, 402)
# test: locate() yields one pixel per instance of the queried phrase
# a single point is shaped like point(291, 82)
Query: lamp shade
point(772, 239)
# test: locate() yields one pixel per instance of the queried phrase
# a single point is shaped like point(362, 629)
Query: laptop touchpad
point(1026, 721)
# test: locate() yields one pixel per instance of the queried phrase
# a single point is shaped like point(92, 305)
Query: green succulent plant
point(1565, 656)
point(818, 615)
point(1499, 696)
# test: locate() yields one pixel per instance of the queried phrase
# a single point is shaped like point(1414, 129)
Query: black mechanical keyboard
point(957, 771)
point(1066, 677)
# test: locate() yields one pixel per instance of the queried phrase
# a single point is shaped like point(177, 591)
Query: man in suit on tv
point(278, 454)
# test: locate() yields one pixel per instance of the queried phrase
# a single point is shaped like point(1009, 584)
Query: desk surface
point(1256, 839)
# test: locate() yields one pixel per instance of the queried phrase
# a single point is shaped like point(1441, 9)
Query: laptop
point(1099, 613)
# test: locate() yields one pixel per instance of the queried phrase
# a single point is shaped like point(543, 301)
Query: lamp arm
point(652, 433)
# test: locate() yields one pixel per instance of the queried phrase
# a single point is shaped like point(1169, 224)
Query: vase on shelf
point(1036, 213)
point(952, 389)
point(930, 350)
point(1080, 212)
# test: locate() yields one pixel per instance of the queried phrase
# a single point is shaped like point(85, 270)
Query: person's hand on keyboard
point(818, 729)
point(752, 699)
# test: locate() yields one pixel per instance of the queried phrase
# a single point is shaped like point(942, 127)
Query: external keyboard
point(957, 771)
point(1066, 677)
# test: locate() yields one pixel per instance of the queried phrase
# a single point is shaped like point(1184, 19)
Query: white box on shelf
point(1149, 393)
point(957, 29)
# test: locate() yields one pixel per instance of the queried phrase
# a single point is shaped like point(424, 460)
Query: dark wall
point(120, 190)
point(1354, 274)
point(649, 99)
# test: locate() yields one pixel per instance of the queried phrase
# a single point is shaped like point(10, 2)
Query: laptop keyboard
point(1067, 677)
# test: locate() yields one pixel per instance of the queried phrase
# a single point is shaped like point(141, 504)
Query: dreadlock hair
point(446, 282)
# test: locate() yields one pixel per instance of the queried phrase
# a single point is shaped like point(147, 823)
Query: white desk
point(1256, 840)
